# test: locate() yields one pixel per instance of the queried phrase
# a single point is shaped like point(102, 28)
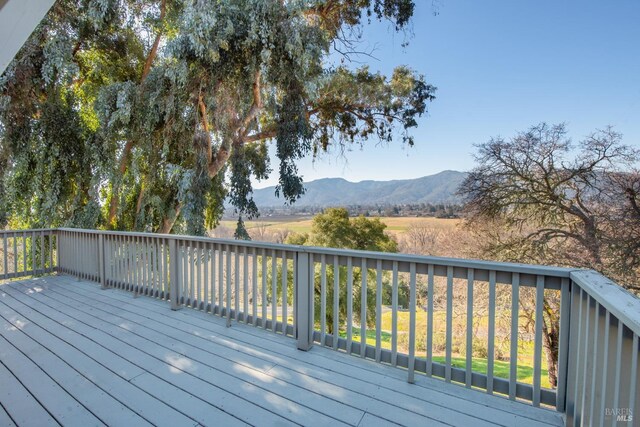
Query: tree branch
point(154, 49)
point(255, 107)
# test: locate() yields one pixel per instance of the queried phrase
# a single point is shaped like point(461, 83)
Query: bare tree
point(280, 235)
point(422, 239)
point(531, 200)
point(260, 232)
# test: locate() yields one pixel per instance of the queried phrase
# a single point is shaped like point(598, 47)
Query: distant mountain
point(438, 188)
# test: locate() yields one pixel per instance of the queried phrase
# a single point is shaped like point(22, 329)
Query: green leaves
point(335, 229)
point(152, 112)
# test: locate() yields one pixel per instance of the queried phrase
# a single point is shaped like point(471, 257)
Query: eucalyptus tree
point(135, 114)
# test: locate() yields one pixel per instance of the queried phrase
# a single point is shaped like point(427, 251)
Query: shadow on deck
point(73, 354)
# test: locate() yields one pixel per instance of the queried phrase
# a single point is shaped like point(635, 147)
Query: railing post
point(174, 275)
point(304, 302)
point(101, 267)
point(563, 345)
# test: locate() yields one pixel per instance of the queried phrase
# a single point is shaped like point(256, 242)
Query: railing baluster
point(43, 253)
point(133, 245)
point(78, 255)
point(323, 298)
point(578, 344)
point(73, 252)
point(106, 240)
point(184, 251)
point(469, 350)
point(133, 264)
point(449, 330)
point(199, 259)
point(336, 299)
point(349, 303)
point(595, 347)
point(563, 344)
point(429, 332)
point(119, 270)
point(585, 365)
point(155, 254)
point(205, 278)
point(633, 390)
point(174, 273)
point(150, 249)
point(228, 270)
point(146, 266)
point(220, 279)
point(186, 297)
point(15, 255)
point(274, 291)
point(124, 273)
point(115, 259)
point(263, 294)
point(537, 351)
point(214, 303)
point(605, 359)
point(412, 322)
point(193, 267)
point(52, 236)
point(378, 310)
point(254, 286)
point(298, 282)
point(363, 307)
point(245, 285)
point(24, 251)
point(491, 334)
point(147, 249)
point(284, 283)
point(5, 270)
point(618, 370)
point(394, 314)
point(101, 266)
point(33, 253)
point(133, 274)
point(513, 358)
point(236, 284)
point(124, 257)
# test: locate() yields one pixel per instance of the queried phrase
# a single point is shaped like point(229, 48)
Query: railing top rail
point(617, 300)
point(385, 256)
point(28, 230)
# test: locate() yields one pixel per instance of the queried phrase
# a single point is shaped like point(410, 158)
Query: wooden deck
point(72, 354)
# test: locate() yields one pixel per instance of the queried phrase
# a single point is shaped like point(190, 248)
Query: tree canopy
point(148, 115)
point(333, 228)
point(537, 197)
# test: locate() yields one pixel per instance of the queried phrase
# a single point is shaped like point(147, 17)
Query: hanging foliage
point(148, 115)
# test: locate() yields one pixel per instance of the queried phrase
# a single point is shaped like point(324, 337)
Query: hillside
point(438, 188)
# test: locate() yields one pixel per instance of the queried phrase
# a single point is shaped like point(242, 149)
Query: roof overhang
point(18, 19)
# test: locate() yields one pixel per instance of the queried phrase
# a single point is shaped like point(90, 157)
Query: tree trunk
point(551, 341)
point(124, 158)
point(170, 219)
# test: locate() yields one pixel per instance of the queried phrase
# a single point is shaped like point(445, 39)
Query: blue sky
point(501, 67)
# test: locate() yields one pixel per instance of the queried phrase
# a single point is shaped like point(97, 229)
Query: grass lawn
point(501, 367)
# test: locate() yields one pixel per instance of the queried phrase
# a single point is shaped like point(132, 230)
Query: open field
point(302, 224)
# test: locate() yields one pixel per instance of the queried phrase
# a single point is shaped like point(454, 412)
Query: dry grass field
point(395, 225)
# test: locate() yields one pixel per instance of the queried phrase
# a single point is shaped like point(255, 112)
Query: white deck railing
point(294, 290)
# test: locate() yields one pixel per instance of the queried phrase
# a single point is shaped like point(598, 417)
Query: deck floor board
point(189, 365)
